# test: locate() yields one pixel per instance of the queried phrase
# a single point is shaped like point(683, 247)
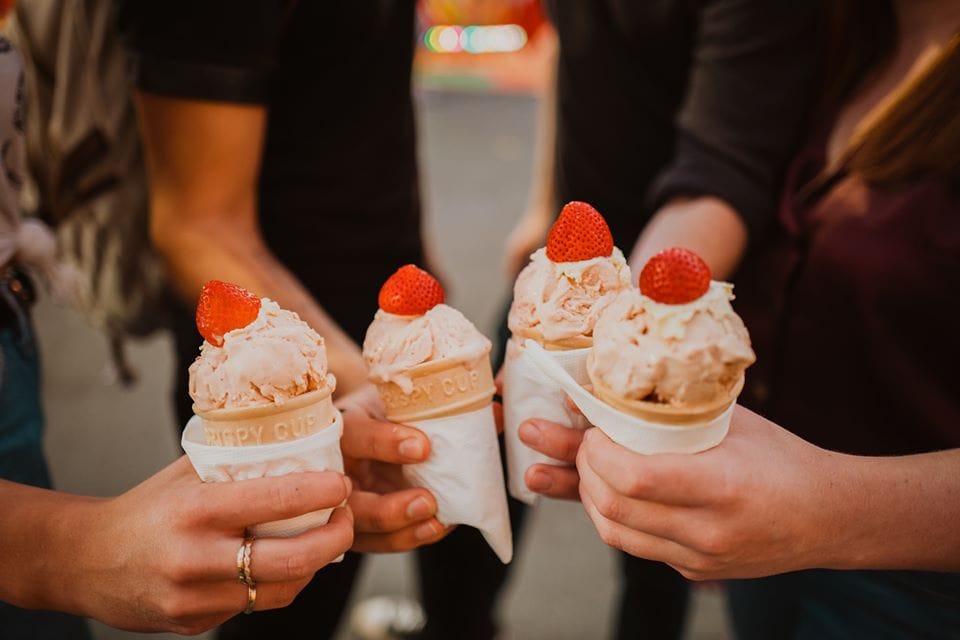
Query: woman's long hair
point(916, 133)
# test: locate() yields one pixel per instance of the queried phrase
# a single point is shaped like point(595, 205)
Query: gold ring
point(243, 561)
point(251, 598)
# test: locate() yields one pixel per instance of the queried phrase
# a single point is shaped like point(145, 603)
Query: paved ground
point(476, 155)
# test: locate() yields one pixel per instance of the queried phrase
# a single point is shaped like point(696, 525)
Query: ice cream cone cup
point(665, 414)
point(566, 344)
point(298, 418)
point(440, 389)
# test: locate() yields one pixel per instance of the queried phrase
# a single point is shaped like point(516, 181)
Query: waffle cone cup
point(298, 418)
point(666, 414)
point(440, 389)
point(566, 344)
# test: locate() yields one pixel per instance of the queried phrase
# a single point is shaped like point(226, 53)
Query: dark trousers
point(840, 605)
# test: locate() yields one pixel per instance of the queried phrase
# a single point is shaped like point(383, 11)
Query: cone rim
point(262, 410)
point(666, 413)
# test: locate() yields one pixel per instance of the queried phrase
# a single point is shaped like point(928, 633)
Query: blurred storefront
point(497, 46)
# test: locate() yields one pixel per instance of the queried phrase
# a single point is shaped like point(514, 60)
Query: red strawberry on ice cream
point(559, 294)
point(254, 353)
point(580, 233)
point(224, 307)
point(675, 276)
point(410, 291)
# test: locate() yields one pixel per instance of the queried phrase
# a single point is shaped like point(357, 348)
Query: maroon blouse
point(854, 310)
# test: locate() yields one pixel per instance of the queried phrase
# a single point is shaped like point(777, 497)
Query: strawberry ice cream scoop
point(395, 344)
point(558, 296)
point(676, 354)
point(271, 360)
point(555, 301)
point(414, 327)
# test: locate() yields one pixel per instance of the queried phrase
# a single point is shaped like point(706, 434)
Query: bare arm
point(764, 501)
point(203, 159)
point(161, 557)
point(707, 225)
point(900, 512)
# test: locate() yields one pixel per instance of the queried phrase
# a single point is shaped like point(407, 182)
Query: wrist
point(74, 545)
point(848, 524)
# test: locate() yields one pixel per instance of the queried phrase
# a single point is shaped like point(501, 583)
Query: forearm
point(706, 225)
point(897, 513)
point(204, 164)
point(41, 534)
point(239, 255)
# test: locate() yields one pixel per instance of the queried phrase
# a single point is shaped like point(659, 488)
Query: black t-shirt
point(666, 98)
point(338, 192)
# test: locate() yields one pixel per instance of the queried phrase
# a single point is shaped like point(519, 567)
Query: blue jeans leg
point(21, 460)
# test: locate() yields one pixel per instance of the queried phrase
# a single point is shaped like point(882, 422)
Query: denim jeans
point(21, 460)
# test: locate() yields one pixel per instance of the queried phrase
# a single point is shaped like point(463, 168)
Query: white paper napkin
point(530, 393)
point(317, 452)
point(464, 474)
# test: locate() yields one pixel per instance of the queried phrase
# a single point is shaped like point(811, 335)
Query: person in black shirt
point(280, 145)
point(675, 120)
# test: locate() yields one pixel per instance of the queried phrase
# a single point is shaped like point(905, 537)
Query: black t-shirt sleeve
point(746, 102)
point(221, 50)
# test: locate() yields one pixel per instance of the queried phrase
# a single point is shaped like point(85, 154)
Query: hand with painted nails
point(388, 515)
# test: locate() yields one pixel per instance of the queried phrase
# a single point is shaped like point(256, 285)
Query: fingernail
point(419, 508)
point(427, 531)
point(348, 484)
point(530, 433)
point(411, 448)
point(540, 481)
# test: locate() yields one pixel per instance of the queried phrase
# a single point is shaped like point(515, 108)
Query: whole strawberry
point(224, 307)
point(580, 233)
point(410, 291)
point(675, 276)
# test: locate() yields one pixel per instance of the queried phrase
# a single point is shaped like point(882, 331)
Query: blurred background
point(480, 69)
